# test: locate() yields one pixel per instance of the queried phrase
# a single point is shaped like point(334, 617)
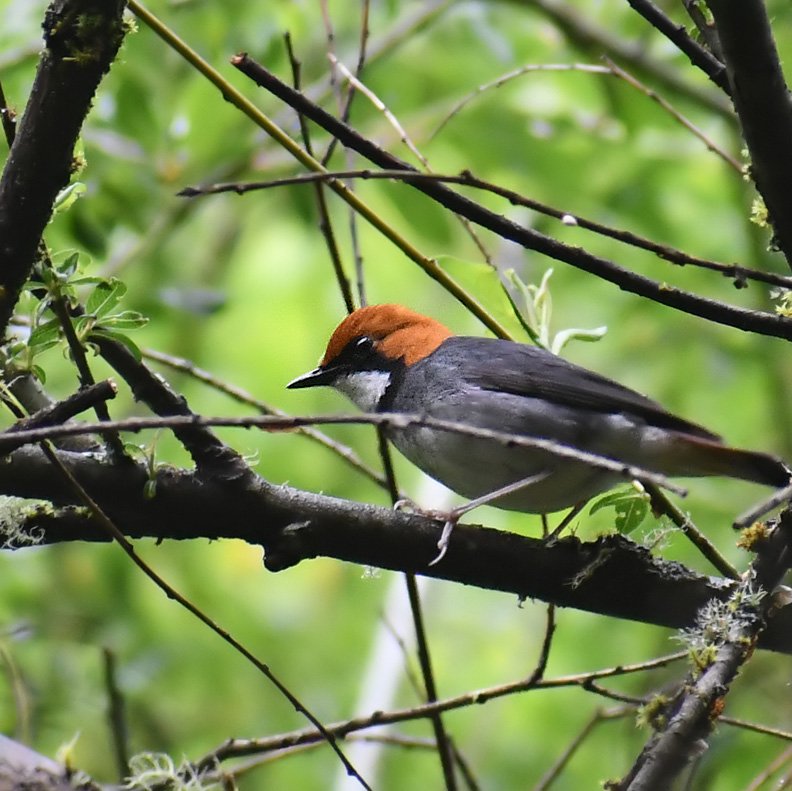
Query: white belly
point(474, 467)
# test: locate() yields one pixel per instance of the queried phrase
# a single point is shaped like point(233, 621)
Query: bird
point(388, 358)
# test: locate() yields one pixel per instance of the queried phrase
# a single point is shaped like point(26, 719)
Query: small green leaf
point(631, 507)
point(44, 336)
point(39, 373)
point(105, 297)
point(69, 266)
point(119, 337)
point(68, 195)
point(84, 325)
point(126, 320)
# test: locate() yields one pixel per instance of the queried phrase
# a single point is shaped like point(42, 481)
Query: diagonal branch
point(712, 310)
point(722, 642)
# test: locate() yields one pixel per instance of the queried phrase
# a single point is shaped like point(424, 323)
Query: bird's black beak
point(315, 378)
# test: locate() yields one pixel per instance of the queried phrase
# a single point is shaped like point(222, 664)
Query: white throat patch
point(364, 388)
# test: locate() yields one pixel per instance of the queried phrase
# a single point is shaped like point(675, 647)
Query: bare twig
point(116, 716)
point(344, 452)
point(60, 412)
point(405, 138)
point(599, 716)
point(676, 115)
point(663, 505)
point(735, 272)
point(112, 530)
point(774, 766)
point(600, 40)
point(699, 56)
point(748, 320)
point(234, 748)
point(325, 223)
point(389, 420)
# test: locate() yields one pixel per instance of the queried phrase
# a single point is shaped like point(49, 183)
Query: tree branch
point(610, 576)
point(82, 38)
point(712, 310)
point(722, 642)
point(762, 100)
point(699, 56)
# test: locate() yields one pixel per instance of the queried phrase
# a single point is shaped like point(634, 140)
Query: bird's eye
point(364, 344)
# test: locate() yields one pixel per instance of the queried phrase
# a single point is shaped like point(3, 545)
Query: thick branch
point(611, 576)
point(763, 103)
point(82, 38)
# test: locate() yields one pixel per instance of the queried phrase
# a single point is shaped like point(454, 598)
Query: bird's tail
point(708, 457)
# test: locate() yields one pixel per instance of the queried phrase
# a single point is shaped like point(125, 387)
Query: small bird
point(387, 358)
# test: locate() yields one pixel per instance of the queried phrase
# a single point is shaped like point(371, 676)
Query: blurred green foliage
point(243, 287)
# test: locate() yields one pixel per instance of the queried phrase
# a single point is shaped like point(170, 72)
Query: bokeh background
point(243, 287)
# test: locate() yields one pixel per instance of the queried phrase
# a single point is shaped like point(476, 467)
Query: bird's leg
point(573, 512)
point(452, 517)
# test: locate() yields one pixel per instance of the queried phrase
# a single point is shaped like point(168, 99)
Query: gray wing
point(489, 364)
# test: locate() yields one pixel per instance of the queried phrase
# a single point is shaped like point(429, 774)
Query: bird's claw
point(449, 519)
point(442, 544)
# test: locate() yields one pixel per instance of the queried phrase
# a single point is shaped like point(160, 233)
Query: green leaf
point(44, 336)
point(150, 489)
point(126, 320)
point(631, 508)
point(84, 325)
point(119, 337)
point(39, 373)
point(69, 266)
point(68, 195)
point(105, 297)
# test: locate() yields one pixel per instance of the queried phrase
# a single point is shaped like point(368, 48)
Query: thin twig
point(712, 310)
point(503, 79)
point(116, 716)
point(735, 272)
point(774, 766)
point(61, 411)
point(234, 748)
point(112, 530)
point(325, 223)
point(388, 419)
point(597, 40)
point(663, 505)
point(405, 138)
point(600, 716)
point(676, 115)
point(344, 452)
